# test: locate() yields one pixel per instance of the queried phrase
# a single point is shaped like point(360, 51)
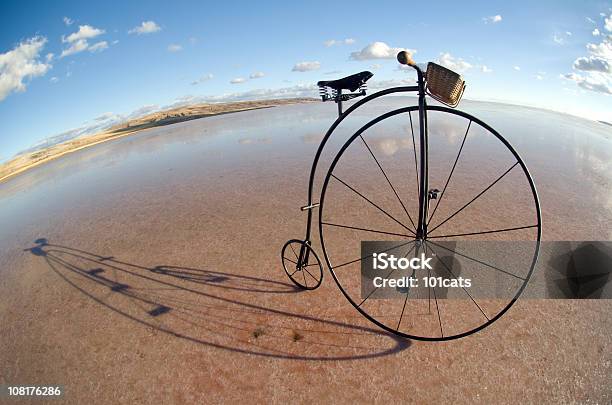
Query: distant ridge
point(71, 141)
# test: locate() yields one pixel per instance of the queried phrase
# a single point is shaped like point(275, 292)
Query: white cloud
point(203, 79)
point(608, 23)
point(300, 90)
point(78, 41)
point(21, 63)
point(517, 68)
point(257, 75)
point(376, 66)
point(485, 69)
point(144, 110)
point(146, 27)
point(98, 46)
point(332, 42)
point(378, 50)
point(592, 64)
point(76, 47)
point(98, 124)
point(49, 57)
point(54, 79)
point(596, 32)
point(238, 80)
point(558, 40)
point(404, 68)
point(603, 49)
point(492, 19)
point(174, 48)
point(306, 66)
point(568, 33)
point(592, 82)
point(539, 76)
point(452, 63)
point(589, 19)
point(67, 21)
point(596, 67)
point(84, 32)
point(104, 117)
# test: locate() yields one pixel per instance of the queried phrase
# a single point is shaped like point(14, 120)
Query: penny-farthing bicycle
point(422, 197)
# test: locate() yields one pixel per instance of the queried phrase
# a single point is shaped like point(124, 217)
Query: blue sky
point(77, 65)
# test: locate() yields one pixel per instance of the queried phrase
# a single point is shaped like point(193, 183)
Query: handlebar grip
point(405, 58)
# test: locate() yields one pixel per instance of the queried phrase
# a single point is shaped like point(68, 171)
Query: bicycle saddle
point(351, 83)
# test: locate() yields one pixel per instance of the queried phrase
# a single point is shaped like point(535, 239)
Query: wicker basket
point(444, 85)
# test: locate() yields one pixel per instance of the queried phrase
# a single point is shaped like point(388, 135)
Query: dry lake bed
point(147, 269)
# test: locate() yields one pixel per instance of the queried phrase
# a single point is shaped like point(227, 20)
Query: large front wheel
point(482, 201)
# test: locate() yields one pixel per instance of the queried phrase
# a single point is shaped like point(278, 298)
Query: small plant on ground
point(258, 332)
point(297, 336)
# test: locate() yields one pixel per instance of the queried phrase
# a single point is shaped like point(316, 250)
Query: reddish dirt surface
point(160, 281)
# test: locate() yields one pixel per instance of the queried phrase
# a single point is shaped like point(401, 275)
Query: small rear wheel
point(302, 264)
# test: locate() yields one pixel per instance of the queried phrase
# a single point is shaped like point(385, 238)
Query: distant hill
point(111, 126)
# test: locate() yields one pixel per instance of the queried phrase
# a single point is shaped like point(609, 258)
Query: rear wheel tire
point(302, 264)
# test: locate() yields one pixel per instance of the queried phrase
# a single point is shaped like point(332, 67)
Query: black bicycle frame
point(424, 156)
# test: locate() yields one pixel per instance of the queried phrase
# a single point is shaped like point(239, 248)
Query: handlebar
point(405, 58)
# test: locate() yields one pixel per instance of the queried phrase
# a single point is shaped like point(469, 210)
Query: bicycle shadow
point(199, 306)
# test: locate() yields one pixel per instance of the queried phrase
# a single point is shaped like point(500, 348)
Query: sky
point(75, 67)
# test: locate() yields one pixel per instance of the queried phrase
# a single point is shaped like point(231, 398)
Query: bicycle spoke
point(438, 309)
point(436, 300)
point(483, 232)
point(402, 314)
point(464, 289)
point(391, 272)
point(478, 261)
point(286, 258)
point(451, 173)
point(296, 256)
point(304, 275)
point(475, 198)
point(365, 257)
point(416, 165)
point(374, 204)
point(313, 277)
point(388, 181)
point(404, 306)
point(429, 294)
point(364, 229)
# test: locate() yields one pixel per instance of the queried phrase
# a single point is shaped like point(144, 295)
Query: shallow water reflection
point(570, 160)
